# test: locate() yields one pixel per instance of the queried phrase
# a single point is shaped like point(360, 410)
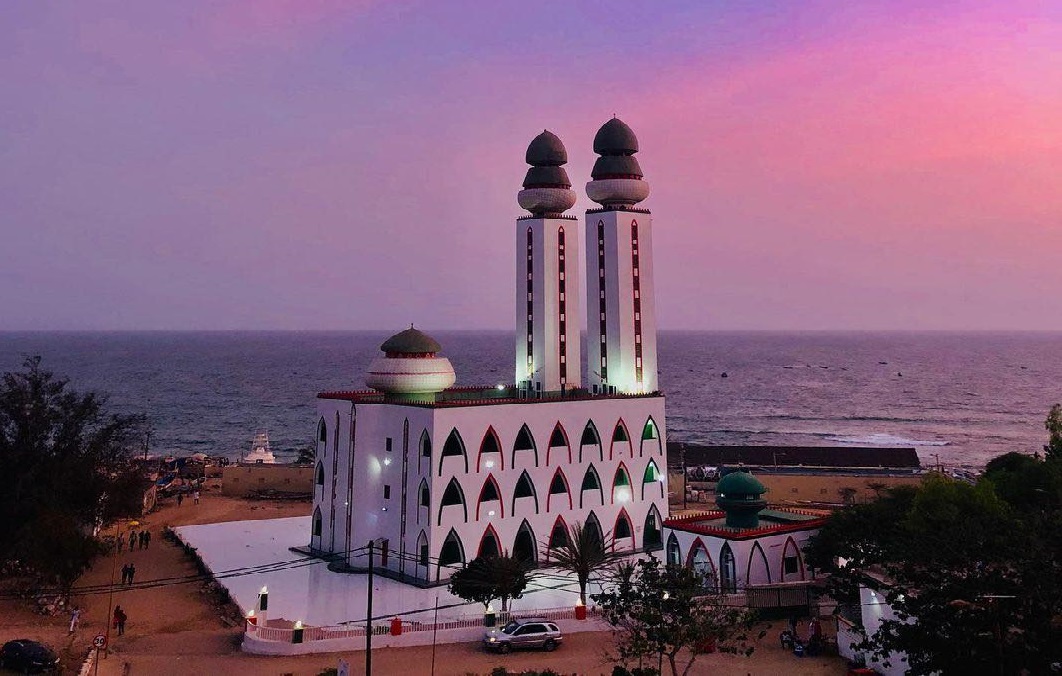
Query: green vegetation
point(487, 578)
point(973, 572)
point(659, 611)
point(582, 553)
point(65, 469)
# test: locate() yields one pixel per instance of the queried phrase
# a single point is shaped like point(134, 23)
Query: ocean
point(959, 398)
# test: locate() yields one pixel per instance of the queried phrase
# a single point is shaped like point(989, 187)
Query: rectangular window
point(389, 444)
point(791, 565)
point(387, 492)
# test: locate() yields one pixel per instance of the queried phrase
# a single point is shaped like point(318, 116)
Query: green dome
point(410, 341)
point(739, 483)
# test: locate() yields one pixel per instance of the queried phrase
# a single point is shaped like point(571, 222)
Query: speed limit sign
point(99, 642)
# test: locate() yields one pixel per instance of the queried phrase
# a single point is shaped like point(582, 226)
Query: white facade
point(439, 483)
point(548, 312)
point(621, 316)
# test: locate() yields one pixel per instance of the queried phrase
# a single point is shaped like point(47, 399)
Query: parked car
point(532, 632)
point(28, 657)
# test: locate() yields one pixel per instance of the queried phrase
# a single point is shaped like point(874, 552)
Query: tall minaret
point(621, 317)
point(547, 274)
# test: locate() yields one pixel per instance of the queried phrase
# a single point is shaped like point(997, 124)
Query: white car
point(532, 632)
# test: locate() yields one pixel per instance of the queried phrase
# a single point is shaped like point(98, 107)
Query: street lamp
point(368, 611)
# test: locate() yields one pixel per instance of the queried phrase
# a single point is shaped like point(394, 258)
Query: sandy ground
point(175, 629)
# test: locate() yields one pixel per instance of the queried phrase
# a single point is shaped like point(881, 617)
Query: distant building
point(436, 475)
point(264, 479)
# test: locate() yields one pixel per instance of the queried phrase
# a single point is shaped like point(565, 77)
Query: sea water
point(960, 398)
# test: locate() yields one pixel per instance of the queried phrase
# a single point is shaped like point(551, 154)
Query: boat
point(260, 453)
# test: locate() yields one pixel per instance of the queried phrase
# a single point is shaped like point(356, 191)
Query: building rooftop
point(771, 522)
point(480, 395)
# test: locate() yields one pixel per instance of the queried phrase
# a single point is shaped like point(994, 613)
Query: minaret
point(547, 279)
point(621, 318)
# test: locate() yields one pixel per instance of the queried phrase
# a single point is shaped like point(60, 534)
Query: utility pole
point(368, 616)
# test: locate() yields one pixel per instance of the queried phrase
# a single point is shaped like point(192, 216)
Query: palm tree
point(583, 554)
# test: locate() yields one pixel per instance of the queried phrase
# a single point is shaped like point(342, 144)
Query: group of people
point(136, 539)
point(195, 497)
point(128, 571)
point(811, 646)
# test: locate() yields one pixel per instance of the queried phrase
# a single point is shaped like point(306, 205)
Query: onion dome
point(547, 189)
point(410, 369)
point(738, 494)
point(617, 177)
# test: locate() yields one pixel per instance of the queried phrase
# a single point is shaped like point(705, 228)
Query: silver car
point(532, 632)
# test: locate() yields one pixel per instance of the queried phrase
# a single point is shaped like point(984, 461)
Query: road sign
point(100, 641)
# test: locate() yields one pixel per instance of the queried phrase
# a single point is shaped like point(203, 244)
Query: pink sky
point(326, 164)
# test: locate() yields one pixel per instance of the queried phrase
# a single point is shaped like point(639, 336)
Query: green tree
point(583, 554)
point(65, 468)
point(661, 611)
point(971, 576)
point(487, 578)
point(1053, 449)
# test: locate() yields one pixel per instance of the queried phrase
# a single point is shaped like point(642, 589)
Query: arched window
point(589, 441)
point(758, 571)
point(425, 446)
point(558, 486)
point(727, 570)
point(652, 478)
point(621, 485)
point(651, 440)
point(524, 547)
point(558, 443)
point(792, 562)
point(621, 441)
point(652, 538)
point(422, 555)
point(489, 545)
point(701, 563)
point(623, 531)
point(558, 535)
point(423, 498)
point(490, 493)
point(525, 488)
point(525, 441)
point(453, 495)
point(451, 554)
point(593, 528)
point(454, 447)
point(319, 474)
point(674, 552)
point(317, 522)
point(490, 447)
point(591, 483)
point(322, 432)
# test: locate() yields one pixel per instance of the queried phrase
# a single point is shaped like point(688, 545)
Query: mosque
point(435, 475)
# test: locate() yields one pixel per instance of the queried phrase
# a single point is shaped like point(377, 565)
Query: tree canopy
point(661, 611)
point(972, 571)
point(65, 468)
point(494, 577)
point(583, 554)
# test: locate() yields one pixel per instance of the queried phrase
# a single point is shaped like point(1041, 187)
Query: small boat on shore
point(260, 453)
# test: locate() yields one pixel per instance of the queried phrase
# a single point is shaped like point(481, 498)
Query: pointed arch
point(424, 457)
point(558, 486)
point(591, 482)
point(452, 553)
point(621, 438)
point(525, 548)
point(652, 538)
point(423, 499)
point(319, 477)
point(490, 492)
point(727, 570)
point(317, 523)
point(489, 446)
point(792, 562)
point(322, 431)
point(757, 568)
point(589, 439)
point(621, 485)
point(674, 551)
point(558, 535)
point(423, 565)
point(700, 560)
point(525, 488)
point(453, 495)
point(558, 440)
point(652, 439)
point(652, 477)
point(454, 447)
point(594, 526)
point(623, 531)
point(489, 544)
point(525, 441)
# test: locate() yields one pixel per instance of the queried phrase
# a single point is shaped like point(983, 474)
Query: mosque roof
point(740, 483)
point(609, 166)
point(410, 341)
point(615, 138)
point(546, 150)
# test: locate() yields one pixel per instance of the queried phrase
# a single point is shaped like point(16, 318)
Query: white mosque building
point(435, 475)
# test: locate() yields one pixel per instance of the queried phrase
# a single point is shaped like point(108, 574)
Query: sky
point(354, 164)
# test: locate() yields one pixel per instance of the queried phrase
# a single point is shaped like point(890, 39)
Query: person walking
point(147, 538)
point(180, 499)
point(195, 497)
point(132, 572)
point(132, 539)
point(140, 539)
point(119, 620)
point(120, 543)
point(125, 573)
point(75, 619)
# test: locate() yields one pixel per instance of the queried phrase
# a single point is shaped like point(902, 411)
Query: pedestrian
point(120, 543)
point(119, 620)
point(75, 618)
point(195, 497)
point(132, 572)
point(140, 539)
point(125, 573)
point(132, 539)
point(118, 612)
point(147, 538)
point(180, 499)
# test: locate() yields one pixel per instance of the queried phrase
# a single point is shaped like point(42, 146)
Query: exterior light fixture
point(489, 463)
point(500, 386)
point(387, 461)
point(385, 509)
point(490, 513)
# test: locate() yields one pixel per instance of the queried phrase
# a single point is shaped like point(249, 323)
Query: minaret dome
point(617, 176)
point(547, 189)
point(410, 368)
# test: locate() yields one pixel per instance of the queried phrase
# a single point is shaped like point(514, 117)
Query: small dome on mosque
point(546, 150)
point(410, 341)
point(615, 138)
point(616, 166)
point(547, 177)
point(740, 483)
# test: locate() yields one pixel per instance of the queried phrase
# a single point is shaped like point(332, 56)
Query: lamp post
point(110, 593)
point(368, 614)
